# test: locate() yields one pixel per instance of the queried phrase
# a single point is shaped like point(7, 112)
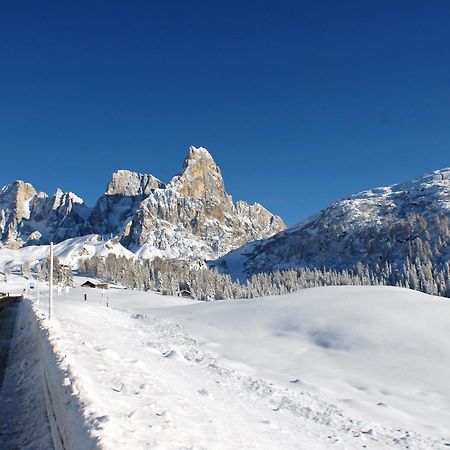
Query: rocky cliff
point(31, 217)
point(192, 217)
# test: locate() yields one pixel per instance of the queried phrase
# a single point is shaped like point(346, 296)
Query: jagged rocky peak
point(201, 177)
point(130, 184)
point(17, 196)
point(14, 208)
point(67, 199)
point(124, 194)
point(194, 215)
point(28, 216)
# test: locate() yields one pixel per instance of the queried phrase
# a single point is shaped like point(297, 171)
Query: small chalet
point(184, 290)
point(91, 284)
point(184, 293)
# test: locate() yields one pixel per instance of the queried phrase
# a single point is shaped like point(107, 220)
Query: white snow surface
point(337, 367)
point(69, 252)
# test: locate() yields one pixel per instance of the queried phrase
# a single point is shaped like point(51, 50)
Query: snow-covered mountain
point(192, 217)
point(30, 217)
point(387, 224)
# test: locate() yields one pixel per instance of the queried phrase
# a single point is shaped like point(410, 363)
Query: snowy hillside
point(339, 367)
point(383, 225)
point(69, 252)
point(192, 217)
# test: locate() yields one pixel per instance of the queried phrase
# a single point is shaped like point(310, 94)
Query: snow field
point(345, 367)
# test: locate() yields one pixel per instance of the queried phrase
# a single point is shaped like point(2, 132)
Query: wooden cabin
point(184, 293)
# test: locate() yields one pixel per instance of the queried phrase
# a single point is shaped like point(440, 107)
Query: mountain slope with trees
point(400, 224)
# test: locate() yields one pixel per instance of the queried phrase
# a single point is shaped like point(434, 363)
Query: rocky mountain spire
point(192, 217)
point(201, 178)
point(195, 215)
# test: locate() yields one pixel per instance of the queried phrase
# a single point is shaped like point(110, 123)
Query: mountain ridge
point(376, 226)
point(190, 217)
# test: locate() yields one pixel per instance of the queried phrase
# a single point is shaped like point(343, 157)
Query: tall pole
point(50, 284)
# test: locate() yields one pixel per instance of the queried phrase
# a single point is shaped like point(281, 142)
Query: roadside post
point(50, 284)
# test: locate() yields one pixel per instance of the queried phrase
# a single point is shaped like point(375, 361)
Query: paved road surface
point(8, 316)
point(23, 415)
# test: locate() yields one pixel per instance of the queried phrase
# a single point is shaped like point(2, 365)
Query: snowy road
point(23, 414)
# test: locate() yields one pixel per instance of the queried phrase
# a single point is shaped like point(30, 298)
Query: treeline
point(171, 277)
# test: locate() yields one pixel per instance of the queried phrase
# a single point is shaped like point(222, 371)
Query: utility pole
point(50, 284)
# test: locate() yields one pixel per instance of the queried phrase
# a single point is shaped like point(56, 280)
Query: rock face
point(123, 196)
point(384, 225)
point(30, 217)
point(192, 217)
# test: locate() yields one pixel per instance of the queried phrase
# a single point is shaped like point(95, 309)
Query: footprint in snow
point(99, 421)
point(108, 352)
point(173, 354)
point(169, 354)
point(203, 392)
point(164, 415)
point(117, 387)
point(139, 364)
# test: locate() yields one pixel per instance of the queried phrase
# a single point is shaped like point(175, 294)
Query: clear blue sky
point(300, 103)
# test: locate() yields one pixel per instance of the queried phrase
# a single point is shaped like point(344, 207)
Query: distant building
point(91, 284)
point(184, 293)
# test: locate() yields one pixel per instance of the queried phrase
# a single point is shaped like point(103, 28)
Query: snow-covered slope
point(69, 252)
point(191, 218)
point(338, 367)
point(377, 226)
